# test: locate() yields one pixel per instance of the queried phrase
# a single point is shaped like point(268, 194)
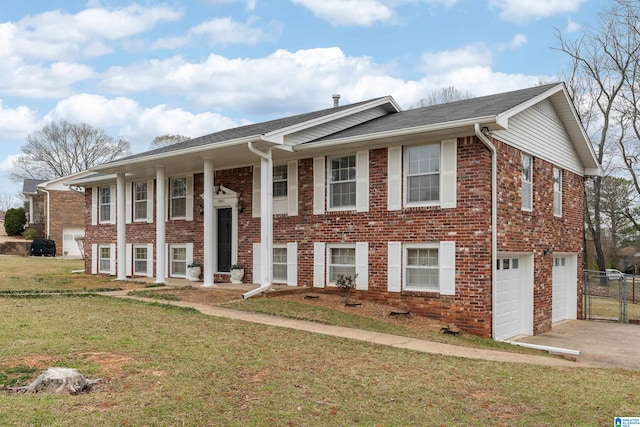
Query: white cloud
point(6, 164)
point(280, 82)
point(222, 32)
point(446, 60)
point(124, 117)
point(361, 13)
point(526, 10)
point(17, 123)
point(518, 40)
point(250, 4)
point(58, 35)
point(36, 81)
point(572, 26)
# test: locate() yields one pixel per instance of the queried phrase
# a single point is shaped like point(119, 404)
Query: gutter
point(494, 213)
point(266, 222)
point(48, 233)
point(548, 348)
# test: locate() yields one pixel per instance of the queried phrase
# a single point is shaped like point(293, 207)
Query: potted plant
point(237, 273)
point(193, 271)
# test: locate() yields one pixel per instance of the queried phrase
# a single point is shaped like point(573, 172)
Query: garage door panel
point(513, 307)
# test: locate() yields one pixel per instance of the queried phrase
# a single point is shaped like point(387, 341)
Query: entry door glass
point(224, 239)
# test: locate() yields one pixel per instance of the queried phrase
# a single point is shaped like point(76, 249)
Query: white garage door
point(564, 285)
point(513, 302)
point(70, 248)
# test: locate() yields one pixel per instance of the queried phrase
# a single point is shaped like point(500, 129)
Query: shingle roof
point(29, 186)
point(245, 131)
point(442, 113)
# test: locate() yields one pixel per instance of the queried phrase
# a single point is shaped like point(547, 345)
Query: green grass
point(609, 307)
point(154, 294)
point(185, 368)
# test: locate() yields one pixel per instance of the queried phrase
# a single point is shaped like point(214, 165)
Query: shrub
point(30, 233)
point(14, 221)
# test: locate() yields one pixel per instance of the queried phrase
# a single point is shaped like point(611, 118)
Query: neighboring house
point(56, 210)
point(469, 212)
point(34, 204)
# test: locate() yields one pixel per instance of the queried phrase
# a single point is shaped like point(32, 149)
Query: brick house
point(468, 212)
point(57, 212)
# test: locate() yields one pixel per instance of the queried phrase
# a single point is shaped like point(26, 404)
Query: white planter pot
point(237, 275)
point(193, 273)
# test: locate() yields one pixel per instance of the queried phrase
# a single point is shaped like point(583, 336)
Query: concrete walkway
point(366, 336)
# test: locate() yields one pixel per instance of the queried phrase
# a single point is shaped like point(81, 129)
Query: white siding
point(535, 132)
point(335, 126)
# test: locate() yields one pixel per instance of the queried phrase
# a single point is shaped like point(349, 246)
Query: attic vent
point(336, 100)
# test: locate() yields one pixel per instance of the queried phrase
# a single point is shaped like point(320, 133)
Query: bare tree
point(443, 96)
point(8, 200)
point(600, 59)
point(63, 148)
point(167, 139)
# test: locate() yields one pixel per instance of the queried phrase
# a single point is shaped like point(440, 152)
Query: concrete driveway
point(606, 344)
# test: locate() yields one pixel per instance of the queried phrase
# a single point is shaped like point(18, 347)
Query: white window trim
point(134, 201)
point(331, 208)
point(170, 259)
point(328, 258)
point(405, 249)
point(112, 255)
point(530, 194)
point(171, 198)
point(405, 178)
point(557, 208)
point(281, 246)
point(133, 257)
point(188, 216)
point(100, 205)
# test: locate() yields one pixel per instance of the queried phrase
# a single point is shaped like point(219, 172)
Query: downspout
point(48, 232)
point(494, 214)
point(266, 221)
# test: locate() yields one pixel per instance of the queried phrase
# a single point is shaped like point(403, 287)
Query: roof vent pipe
point(336, 100)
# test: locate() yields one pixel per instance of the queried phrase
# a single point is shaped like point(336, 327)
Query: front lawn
point(168, 366)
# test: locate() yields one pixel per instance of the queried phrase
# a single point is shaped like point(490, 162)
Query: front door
point(225, 220)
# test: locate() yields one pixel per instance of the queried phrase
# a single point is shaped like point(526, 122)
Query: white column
point(121, 228)
point(210, 228)
point(161, 226)
point(266, 218)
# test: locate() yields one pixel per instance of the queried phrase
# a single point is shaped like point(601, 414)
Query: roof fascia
point(62, 179)
point(169, 154)
point(278, 136)
point(400, 132)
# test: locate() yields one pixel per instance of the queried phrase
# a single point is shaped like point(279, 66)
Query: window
point(557, 191)
point(140, 196)
point(280, 181)
point(421, 268)
point(104, 259)
point(104, 194)
point(527, 182)
point(140, 260)
point(422, 174)
point(342, 182)
point(280, 264)
point(342, 260)
point(178, 261)
point(178, 197)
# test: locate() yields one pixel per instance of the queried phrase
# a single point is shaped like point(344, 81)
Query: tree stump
point(59, 380)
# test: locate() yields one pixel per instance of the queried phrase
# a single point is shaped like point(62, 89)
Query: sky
point(141, 70)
